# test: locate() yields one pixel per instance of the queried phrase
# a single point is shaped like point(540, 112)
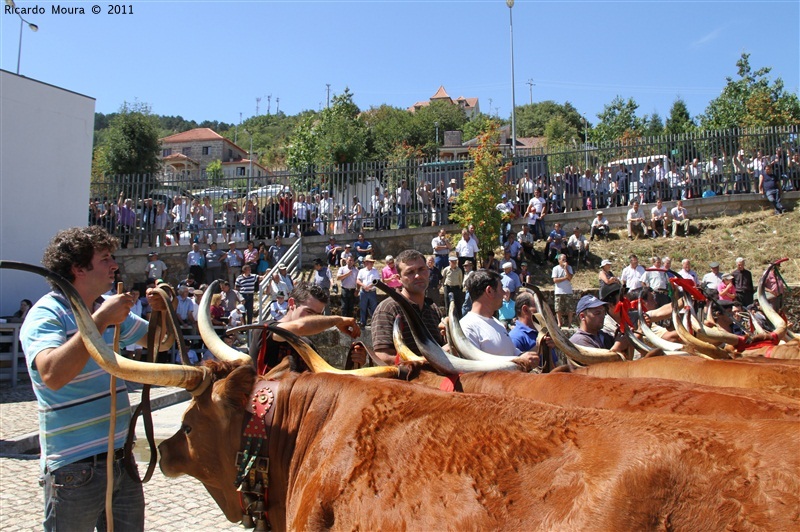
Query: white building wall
point(45, 164)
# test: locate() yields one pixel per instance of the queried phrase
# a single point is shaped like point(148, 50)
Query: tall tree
point(559, 131)
point(478, 125)
point(616, 119)
point(388, 127)
point(652, 125)
point(751, 100)
point(131, 145)
point(450, 117)
point(679, 120)
point(532, 119)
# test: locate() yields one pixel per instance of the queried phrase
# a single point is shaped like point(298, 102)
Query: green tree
point(214, 172)
point(484, 186)
point(616, 119)
point(559, 131)
point(652, 125)
point(532, 119)
point(450, 117)
point(679, 120)
point(131, 145)
point(388, 128)
point(478, 125)
point(751, 101)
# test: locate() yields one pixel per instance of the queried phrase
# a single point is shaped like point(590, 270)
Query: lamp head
point(510, 3)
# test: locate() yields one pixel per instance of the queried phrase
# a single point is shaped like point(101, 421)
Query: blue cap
point(588, 302)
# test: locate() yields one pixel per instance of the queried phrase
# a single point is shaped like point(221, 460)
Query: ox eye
point(186, 429)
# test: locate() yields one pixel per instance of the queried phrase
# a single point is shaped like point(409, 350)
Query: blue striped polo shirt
point(74, 421)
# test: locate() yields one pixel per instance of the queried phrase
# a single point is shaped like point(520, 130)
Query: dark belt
point(119, 454)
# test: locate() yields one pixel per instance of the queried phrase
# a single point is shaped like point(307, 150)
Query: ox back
point(355, 453)
point(655, 396)
point(783, 379)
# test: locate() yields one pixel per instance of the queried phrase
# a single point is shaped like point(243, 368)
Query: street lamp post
point(437, 139)
point(250, 169)
point(510, 4)
point(585, 143)
point(34, 28)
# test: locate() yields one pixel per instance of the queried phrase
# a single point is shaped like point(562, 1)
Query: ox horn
point(714, 334)
point(214, 343)
point(402, 349)
point(193, 379)
point(462, 344)
point(318, 365)
point(580, 354)
point(698, 345)
point(433, 352)
point(771, 314)
point(656, 340)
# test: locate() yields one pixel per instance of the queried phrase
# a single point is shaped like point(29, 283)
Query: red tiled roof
point(441, 94)
point(193, 135)
point(176, 157)
point(244, 162)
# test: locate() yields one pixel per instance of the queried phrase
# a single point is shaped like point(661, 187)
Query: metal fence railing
point(370, 195)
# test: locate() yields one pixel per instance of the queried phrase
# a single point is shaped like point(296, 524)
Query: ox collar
point(252, 479)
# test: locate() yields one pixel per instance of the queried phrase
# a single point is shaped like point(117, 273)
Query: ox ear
point(234, 390)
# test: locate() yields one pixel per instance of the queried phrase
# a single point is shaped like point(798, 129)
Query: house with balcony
point(470, 106)
point(186, 155)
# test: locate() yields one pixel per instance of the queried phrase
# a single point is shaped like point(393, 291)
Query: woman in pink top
point(726, 289)
point(389, 274)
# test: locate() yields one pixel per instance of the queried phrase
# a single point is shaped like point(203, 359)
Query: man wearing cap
point(414, 281)
point(591, 315)
point(441, 248)
point(562, 278)
point(346, 254)
point(452, 280)
point(712, 279)
point(155, 268)
point(234, 259)
point(333, 252)
point(510, 279)
point(286, 278)
point(278, 307)
point(599, 227)
point(480, 326)
point(366, 284)
point(347, 275)
point(389, 274)
point(362, 247)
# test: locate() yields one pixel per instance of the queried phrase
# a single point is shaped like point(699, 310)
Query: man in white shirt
point(631, 275)
point(326, 208)
point(687, 272)
point(441, 249)
point(537, 208)
point(562, 278)
point(636, 221)
point(599, 227)
point(180, 217)
point(365, 281)
point(403, 202)
point(658, 219)
point(466, 249)
point(578, 247)
point(657, 280)
point(680, 218)
point(712, 279)
point(347, 275)
point(480, 326)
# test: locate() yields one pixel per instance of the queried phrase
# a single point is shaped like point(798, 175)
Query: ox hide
point(353, 453)
point(782, 379)
point(655, 396)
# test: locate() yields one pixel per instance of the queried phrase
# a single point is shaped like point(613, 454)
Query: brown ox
point(781, 379)
point(353, 453)
point(653, 396)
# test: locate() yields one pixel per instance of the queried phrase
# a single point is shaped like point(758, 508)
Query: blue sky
point(211, 60)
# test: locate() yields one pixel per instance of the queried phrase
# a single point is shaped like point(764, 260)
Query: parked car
point(267, 191)
point(218, 193)
point(166, 195)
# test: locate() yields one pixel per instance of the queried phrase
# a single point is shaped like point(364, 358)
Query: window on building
point(240, 171)
point(187, 151)
point(206, 150)
point(166, 152)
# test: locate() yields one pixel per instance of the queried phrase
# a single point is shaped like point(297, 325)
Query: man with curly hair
point(73, 391)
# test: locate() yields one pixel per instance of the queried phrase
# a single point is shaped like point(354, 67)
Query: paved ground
point(180, 504)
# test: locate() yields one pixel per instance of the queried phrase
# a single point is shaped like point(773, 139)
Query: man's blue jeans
point(368, 302)
point(774, 197)
point(74, 498)
point(401, 216)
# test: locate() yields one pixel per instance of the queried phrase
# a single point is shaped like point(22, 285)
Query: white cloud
point(707, 38)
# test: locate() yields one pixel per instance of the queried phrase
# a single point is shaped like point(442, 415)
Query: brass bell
point(247, 521)
point(261, 525)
